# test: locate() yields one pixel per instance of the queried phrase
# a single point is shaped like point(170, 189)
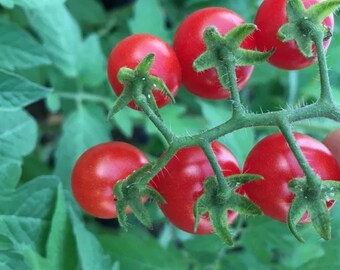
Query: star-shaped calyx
point(305, 24)
point(225, 51)
point(131, 192)
point(138, 83)
point(313, 200)
point(216, 203)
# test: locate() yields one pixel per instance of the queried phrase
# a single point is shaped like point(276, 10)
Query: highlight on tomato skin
point(189, 44)
point(273, 159)
point(132, 50)
point(98, 170)
point(181, 181)
point(270, 16)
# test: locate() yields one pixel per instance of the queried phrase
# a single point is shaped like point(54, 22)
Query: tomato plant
point(189, 44)
point(180, 182)
point(98, 170)
point(130, 51)
point(273, 159)
point(270, 16)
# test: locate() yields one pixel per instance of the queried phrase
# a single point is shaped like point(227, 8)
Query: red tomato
point(180, 182)
point(129, 53)
point(273, 159)
point(332, 141)
point(270, 16)
point(98, 170)
point(189, 44)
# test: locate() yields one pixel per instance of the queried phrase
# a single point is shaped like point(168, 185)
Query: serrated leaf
point(19, 50)
point(18, 133)
point(83, 129)
point(17, 92)
point(60, 34)
point(24, 215)
point(91, 254)
point(92, 62)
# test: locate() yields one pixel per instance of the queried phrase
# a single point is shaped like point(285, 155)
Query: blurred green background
point(54, 97)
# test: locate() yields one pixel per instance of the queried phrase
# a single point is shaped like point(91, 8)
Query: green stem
point(80, 97)
point(142, 103)
point(326, 92)
point(161, 162)
point(232, 86)
point(206, 147)
point(312, 179)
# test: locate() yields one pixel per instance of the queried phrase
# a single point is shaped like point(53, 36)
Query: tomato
point(273, 159)
point(129, 53)
point(189, 44)
point(332, 141)
point(98, 170)
point(270, 16)
point(180, 182)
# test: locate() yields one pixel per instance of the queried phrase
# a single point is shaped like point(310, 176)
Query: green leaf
point(30, 4)
point(90, 253)
point(60, 34)
point(126, 249)
point(92, 62)
point(61, 237)
point(12, 261)
point(147, 17)
point(89, 12)
point(18, 133)
point(10, 171)
point(16, 91)
point(24, 215)
point(83, 129)
point(18, 49)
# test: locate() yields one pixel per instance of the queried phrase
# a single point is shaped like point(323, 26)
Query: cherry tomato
point(270, 16)
point(129, 53)
point(273, 159)
point(180, 182)
point(98, 170)
point(332, 141)
point(189, 44)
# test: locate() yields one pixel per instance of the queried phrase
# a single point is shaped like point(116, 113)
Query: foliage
point(54, 96)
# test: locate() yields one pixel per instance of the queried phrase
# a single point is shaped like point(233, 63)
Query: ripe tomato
point(189, 44)
point(129, 53)
point(98, 170)
point(332, 141)
point(270, 16)
point(273, 159)
point(180, 182)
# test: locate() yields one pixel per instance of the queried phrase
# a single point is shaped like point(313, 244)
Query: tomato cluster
point(181, 181)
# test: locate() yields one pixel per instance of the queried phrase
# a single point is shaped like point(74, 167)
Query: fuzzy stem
point(312, 179)
point(206, 147)
point(142, 103)
point(326, 92)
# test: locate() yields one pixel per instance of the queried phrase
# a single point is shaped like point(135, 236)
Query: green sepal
point(138, 82)
point(200, 209)
point(320, 217)
point(216, 202)
point(237, 180)
point(130, 192)
point(302, 24)
point(223, 51)
point(322, 9)
point(297, 209)
point(313, 200)
point(218, 219)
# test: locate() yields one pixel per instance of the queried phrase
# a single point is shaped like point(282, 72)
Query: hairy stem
point(312, 179)
point(206, 147)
